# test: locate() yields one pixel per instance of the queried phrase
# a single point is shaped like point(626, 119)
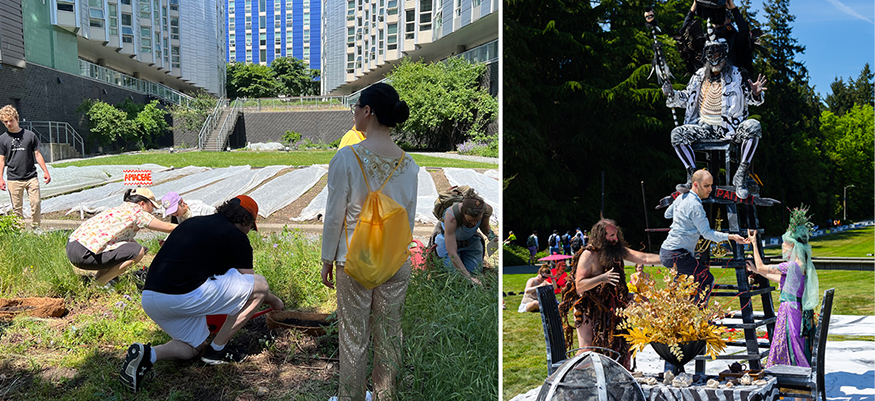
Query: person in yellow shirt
point(352, 137)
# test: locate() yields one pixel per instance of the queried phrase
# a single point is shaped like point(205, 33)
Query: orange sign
point(137, 178)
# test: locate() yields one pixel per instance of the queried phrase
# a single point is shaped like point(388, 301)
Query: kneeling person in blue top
point(460, 245)
point(204, 268)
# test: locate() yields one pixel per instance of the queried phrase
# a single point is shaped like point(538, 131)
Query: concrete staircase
point(218, 136)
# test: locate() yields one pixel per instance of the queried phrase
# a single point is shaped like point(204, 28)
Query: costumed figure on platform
point(599, 289)
point(799, 293)
point(716, 101)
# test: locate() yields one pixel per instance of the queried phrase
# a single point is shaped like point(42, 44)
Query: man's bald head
point(702, 182)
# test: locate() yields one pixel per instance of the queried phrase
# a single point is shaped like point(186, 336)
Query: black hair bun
point(401, 112)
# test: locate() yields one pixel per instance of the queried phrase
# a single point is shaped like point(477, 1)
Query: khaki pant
point(362, 314)
point(16, 193)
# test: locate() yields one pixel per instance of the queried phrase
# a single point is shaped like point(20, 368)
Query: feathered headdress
point(798, 234)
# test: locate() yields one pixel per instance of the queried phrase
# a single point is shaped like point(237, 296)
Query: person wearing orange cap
point(204, 268)
point(105, 243)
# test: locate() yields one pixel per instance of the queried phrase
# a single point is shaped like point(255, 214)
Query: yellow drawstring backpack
point(379, 242)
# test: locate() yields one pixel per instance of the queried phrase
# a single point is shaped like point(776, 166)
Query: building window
point(174, 28)
point(262, 22)
point(127, 38)
point(95, 23)
point(458, 8)
point(262, 40)
point(66, 6)
point(145, 9)
point(262, 55)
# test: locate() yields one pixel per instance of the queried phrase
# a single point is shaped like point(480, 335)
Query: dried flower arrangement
point(670, 316)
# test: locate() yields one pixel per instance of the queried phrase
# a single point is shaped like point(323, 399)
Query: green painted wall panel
point(45, 44)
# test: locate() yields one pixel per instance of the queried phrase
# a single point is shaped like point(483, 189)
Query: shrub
point(291, 137)
point(515, 255)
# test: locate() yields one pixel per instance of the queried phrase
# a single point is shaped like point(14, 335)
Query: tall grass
point(450, 330)
point(451, 337)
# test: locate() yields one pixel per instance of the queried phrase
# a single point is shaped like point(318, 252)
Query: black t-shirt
point(199, 248)
point(18, 150)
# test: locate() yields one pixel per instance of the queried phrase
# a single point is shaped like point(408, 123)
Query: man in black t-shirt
point(19, 151)
point(204, 268)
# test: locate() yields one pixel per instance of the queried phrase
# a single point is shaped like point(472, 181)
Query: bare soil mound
point(36, 307)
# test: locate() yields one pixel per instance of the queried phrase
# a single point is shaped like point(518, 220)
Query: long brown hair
point(609, 254)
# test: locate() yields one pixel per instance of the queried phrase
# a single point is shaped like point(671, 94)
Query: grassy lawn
point(448, 352)
point(254, 159)
point(853, 243)
point(524, 353)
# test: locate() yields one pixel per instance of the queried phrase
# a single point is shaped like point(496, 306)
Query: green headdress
point(798, 234)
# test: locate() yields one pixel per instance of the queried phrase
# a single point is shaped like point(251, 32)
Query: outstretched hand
point(758, 86)
point(611, 277)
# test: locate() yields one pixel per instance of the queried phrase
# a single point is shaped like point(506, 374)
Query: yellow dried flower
point(671, 316)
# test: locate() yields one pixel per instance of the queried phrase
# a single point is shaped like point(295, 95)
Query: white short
point(523, 306)
point(184, 316)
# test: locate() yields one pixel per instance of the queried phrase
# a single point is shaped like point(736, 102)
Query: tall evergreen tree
point(790, 161)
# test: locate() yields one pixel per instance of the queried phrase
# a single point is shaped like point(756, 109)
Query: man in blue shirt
point(689, 222)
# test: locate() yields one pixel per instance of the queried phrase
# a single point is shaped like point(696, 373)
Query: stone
point(682, 380)
point(667, 378)
point(745, 380)
point(713, 383)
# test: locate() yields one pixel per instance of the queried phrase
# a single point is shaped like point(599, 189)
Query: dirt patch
point(440, 180)
point(36, 307)
point(294, 209)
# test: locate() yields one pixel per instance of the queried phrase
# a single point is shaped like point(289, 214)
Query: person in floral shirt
point(105, 243)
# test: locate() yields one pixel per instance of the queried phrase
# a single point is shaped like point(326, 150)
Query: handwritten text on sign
point(137, 178)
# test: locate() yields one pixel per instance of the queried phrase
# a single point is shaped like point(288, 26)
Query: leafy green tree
point(117, 125)
point(108, 124)
point(447, 102)
point(296, 77)
point(251, 81)
point(848, 140)
point(190, 116)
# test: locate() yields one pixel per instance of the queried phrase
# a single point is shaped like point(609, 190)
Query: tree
point(296, 78)
point(790, 160)
point(123, 125)
point(855, 92)
point(848, 140)
point(190, 116)
point(447, 103)
point(251, 81)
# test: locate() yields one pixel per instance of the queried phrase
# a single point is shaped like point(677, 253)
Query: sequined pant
point(363, 313)
point(691, 133)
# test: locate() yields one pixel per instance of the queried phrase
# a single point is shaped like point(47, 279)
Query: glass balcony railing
point(113, 77)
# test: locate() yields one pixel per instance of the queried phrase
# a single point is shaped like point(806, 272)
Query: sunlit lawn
point(524, 352)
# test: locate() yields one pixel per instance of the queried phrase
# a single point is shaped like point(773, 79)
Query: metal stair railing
point(297, 103)
point(228, 123)
point(58, 132)
point(210, 123)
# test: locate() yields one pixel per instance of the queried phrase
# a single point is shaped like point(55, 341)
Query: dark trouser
point(689, 265)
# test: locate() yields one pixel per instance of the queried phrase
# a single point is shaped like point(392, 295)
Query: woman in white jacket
point(363, 312)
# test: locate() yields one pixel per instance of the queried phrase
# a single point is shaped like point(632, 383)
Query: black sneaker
point(226, 355)
point(137, 364)
point(140, 278)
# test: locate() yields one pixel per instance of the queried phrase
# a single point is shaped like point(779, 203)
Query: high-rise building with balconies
point(260, 31)
point(363, 39)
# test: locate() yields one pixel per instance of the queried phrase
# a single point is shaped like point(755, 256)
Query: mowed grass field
point(524, 353)
point(254, 159)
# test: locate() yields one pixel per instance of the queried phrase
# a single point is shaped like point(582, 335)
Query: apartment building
point(139, 44)
point(260, 31)
point(363, 39)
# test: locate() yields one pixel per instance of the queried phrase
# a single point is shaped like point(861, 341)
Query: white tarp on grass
point(73, 178)
point(283, 190)
point(424, 201)
point(191, 177)
point(220, 191)
point(487, 187)
point(492, 173)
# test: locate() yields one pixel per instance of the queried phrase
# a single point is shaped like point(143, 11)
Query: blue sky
point(838, 35)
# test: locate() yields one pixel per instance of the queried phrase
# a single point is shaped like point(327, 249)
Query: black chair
point(800, 382)
point(557, 353)
point(552, 323)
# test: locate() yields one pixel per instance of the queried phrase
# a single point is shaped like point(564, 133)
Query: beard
point(612, 254)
